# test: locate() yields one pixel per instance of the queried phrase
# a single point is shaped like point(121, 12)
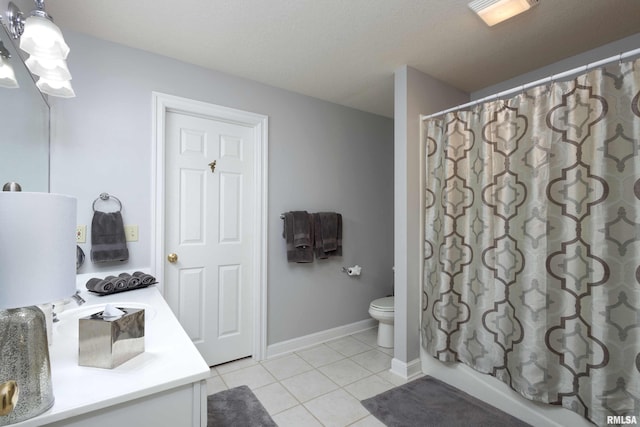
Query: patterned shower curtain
point(532, 242)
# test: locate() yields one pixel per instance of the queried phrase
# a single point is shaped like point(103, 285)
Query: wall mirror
point(24, 128)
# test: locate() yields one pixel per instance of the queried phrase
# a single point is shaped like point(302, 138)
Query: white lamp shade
point(60, 88)
point(7, 76)
point(49, 69)
point(37, 248)
point(43, 39)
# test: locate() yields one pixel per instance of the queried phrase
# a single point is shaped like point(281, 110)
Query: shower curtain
point(532, 242)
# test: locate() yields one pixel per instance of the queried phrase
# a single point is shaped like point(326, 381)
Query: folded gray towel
point(302, 229)
point(329, 231)
point(302, 253)
point(328, 235)
point(108, 242)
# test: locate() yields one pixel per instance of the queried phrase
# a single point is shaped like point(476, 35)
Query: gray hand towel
point(302, 228)
point(108, 242)
point(328, 236)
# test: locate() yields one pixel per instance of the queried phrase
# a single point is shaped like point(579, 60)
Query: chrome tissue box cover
point(107, 343)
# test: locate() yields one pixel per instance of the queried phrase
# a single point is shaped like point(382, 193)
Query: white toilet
point(383, 311)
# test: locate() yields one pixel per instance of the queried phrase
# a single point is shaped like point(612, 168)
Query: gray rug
point(237, 407)
point(427, 402)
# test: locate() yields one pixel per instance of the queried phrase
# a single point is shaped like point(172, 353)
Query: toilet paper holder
point(352, 271)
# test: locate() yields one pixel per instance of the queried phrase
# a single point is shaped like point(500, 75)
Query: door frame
point(162, 104)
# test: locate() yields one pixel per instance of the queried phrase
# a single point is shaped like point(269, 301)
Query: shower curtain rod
point(552, 78)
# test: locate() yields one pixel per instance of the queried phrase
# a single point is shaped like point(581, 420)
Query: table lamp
point(37, 266)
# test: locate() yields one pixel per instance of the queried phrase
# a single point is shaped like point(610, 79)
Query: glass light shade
point(43, 39)
point(60, 88)
point(7, 76)
point(37, 248)
point(493, 12)
point(50, 69)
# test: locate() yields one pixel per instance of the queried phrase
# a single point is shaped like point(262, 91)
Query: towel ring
point(104, 197)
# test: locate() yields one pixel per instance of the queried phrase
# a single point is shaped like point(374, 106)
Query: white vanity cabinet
point(164, 386)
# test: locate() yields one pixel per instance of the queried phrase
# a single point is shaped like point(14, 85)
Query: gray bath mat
point(237, 407)
point(427, 402)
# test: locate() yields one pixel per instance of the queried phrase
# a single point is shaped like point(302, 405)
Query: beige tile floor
point(317, 386)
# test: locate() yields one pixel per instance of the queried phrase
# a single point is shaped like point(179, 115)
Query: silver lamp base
point(25, 370)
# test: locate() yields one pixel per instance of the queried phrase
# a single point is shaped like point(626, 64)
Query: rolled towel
point(118, 282)
point(91, 283)
point(132, 281)
point(103, 286)
point(145, 279)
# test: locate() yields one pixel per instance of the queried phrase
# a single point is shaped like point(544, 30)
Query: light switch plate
point(81, 234)
point(131, 233)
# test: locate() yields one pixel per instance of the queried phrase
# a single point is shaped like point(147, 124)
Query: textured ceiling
point(345, 51)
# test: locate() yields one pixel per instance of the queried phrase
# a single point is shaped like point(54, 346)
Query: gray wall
point(605, 51)
point(322, 156)
point(415, 93)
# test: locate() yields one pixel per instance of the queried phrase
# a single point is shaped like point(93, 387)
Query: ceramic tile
point(308, 385)
point(394, 379)
point(298, 416)
point(320, 355)
point(368, 336)
point(287, 366)
point(318, 386)
point(369, 387)
point(254, 376)
point(344, 372)
point(348, 346)
point(275, 398)
point(215, 384)
point(337, 409)
point(373, 360)
point(389, 351)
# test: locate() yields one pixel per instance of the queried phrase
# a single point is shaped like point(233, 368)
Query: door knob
point(172, 257)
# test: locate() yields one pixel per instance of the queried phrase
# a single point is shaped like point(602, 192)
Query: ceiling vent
point(493, 12)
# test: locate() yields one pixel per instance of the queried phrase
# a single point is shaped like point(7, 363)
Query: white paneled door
point(209, 186)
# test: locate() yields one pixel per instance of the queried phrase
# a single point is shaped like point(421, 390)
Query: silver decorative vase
point(25, 370)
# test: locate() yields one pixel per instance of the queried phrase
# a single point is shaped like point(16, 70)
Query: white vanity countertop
point(170, 359)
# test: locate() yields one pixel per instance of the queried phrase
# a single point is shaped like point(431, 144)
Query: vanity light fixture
point(493, 12)
point(7, 76)
point(59, 88)
point(43, 41)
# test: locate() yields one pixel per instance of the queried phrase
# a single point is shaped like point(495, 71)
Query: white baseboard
point(406, 370)
point(299, 343)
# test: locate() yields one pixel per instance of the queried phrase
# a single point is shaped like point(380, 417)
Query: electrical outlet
point(81, 234)
point(131, 233)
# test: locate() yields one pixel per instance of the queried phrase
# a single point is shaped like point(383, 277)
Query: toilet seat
point(383, 304)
